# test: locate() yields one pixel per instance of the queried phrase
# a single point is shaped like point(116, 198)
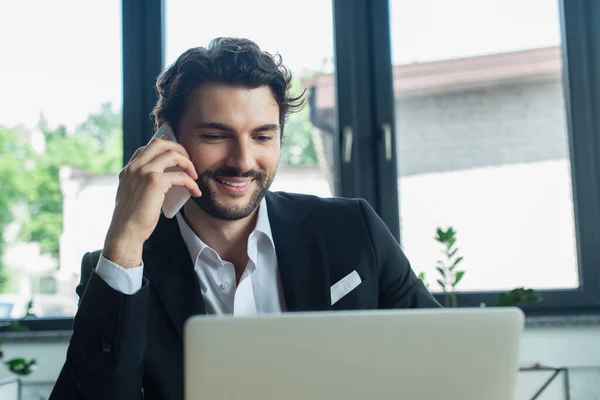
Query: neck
point(228, 238)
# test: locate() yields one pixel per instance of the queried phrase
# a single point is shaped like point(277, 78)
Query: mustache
point(234, 173)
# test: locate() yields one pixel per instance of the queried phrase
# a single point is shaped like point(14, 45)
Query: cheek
point(268, 158)
point(204, 158)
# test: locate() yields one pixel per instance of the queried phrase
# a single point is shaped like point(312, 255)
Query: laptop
point(426, 354)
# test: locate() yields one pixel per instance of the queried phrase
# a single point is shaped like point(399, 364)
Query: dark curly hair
point(231, 61)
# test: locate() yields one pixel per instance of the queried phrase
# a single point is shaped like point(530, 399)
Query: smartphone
point(177, 196)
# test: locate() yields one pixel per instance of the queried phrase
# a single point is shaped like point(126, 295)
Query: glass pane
point(482, 141)
point(307, 153)
point(60, 147)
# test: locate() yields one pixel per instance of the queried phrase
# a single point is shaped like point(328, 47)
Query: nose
point(240, 156)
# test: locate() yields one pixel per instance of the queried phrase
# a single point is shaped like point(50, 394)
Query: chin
point(227, 208)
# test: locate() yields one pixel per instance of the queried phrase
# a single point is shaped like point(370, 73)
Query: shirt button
point(224, 286)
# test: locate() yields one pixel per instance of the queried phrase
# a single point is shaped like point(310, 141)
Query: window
point(307, 164)
point(60, 146)
point(480, 131)
point(482, 142)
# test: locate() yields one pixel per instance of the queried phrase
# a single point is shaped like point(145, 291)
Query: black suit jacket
point(123, 343)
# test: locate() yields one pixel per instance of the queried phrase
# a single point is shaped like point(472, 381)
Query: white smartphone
point(177, 196)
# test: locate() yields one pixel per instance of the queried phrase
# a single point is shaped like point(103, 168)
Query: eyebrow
point(226, 128)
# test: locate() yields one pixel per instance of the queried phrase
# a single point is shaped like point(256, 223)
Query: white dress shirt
point(258, 292)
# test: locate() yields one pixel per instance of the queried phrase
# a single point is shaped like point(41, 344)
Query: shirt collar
point(262, 222)
point(196, 246)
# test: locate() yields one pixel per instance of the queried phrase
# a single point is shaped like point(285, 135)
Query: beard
point(209, 203)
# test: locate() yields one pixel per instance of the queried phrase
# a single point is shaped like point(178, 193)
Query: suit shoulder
point(322, 205)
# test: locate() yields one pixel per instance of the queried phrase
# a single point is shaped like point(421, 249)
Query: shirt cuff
point(126, 281)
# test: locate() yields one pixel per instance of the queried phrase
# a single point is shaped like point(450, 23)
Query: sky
point(63, 57)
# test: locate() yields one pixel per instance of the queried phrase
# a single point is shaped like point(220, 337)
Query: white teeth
point(234, 184)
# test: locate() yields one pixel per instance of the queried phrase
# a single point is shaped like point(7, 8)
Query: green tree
point(12, 190)
point(95, 147)
point(102, 127)
point(297, 147)
point(100, 139)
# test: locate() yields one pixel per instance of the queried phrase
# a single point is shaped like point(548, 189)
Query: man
point(235, 248)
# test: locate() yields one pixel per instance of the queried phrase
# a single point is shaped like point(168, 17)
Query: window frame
point(143, 28)
point(365, 101)
point(143, 59)
point(581, 86)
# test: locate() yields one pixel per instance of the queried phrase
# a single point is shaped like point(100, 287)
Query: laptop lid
point(466, 354)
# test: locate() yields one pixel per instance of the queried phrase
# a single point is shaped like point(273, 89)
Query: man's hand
point(140, 195)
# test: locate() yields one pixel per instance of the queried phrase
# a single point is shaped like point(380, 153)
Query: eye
point(263, 138)
point(213, 136)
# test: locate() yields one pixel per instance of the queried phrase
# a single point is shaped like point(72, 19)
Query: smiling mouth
point(234, 184)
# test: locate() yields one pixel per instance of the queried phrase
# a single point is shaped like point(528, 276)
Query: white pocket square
point(344, 286)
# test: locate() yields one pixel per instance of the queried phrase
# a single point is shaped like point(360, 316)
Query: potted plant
point(19, 366)
point(517, 297)
point(450, 276)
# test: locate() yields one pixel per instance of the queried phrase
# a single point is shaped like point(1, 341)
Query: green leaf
point(20, 366)
point(518, 295)
point(441, 271)
point(452, 253)
point(456, 262)
point(18, 327)
point(459, 276)
point(440, 236)
point(441, 284)
point(445, 236)
point(421, 276)
point(16, 362)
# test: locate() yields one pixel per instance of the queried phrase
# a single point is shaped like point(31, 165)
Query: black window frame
point(143, 44)
point(365, 104)
point(581, 86)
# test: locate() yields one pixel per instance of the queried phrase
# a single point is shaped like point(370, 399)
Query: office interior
point(479, 119)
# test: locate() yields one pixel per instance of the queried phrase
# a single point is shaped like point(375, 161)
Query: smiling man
point(235, 247)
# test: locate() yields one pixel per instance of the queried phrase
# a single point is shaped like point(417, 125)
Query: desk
point(10, 388)
point(544, 383)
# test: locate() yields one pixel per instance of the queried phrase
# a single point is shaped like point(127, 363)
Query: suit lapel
point(300, 256)
point(301, 259)
point(168, 265)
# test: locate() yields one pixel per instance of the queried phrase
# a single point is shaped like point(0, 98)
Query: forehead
point(231, 104)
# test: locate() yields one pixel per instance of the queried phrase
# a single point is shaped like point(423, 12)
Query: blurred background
point(477, 117)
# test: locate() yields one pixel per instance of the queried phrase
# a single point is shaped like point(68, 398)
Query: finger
point(171, 158)
point(182, 179)
point(154, 148)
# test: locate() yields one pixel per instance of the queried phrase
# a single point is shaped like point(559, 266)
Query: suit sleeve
point(399, 287)
point(105, 357)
